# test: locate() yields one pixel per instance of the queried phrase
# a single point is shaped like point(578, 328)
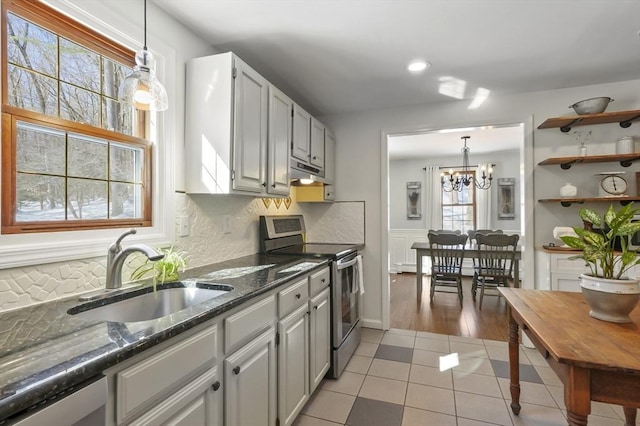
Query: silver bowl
point(591, 106)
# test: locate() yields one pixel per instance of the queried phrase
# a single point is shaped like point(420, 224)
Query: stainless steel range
point(286, 235)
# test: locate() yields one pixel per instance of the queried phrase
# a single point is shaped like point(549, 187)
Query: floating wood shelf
point(625, 118)
point(565, 162)
point(566, 202)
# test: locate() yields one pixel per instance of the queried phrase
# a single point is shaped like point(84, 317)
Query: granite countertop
point(46, 351)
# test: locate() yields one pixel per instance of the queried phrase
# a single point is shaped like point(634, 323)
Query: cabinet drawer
point(247, 323)
point(293, 296)
point(562, 264)
point(141, 382)
point(319, 281)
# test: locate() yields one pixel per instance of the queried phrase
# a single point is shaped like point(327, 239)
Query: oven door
point(346, 298)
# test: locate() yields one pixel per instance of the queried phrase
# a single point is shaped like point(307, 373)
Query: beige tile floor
point(394, 380)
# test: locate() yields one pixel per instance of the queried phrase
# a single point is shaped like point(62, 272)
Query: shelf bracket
point(567, 165)
point(567, 127)
point(568, 203)
point(626, 163)
point(627, 123)
point(625, 202)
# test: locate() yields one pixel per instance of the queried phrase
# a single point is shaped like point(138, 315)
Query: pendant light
point(141, 89)
point(462, 179)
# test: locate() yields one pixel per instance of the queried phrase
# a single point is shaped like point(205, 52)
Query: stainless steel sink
point(151, 305)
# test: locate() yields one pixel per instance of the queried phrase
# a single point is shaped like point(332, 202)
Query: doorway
point(406, 155)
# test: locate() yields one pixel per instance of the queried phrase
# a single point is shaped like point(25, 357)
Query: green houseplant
point(605, 249)
point(164, 270)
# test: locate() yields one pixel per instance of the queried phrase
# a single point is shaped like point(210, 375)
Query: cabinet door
point(319, 338)
point(301, 134)
point(565, 282)
point(250, 383)
point(317, 143)
point(279, 142)
point(250, 129)
point(330, 157)
point(198, 403)
point(293, 365)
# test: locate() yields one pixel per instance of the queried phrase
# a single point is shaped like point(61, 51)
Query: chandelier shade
point(464, 178)
point(141, 88)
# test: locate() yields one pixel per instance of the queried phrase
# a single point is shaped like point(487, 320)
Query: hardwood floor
point(445, 316)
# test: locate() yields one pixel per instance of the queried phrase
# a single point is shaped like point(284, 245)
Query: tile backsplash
point(207, 243)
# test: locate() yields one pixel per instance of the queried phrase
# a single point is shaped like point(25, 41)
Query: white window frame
point(17, 250)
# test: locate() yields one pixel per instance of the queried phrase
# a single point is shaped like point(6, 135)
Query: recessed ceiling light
point(418, 65)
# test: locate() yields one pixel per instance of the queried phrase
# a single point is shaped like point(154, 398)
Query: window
point(459, 209)
point(76, 157)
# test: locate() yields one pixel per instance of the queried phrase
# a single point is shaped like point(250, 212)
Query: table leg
point(577, 396)
point(629, 416)
point(514, 365)
point(516, 273)
point(419, 272)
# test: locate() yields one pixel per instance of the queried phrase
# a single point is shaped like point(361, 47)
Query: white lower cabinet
point(293, 364)
point(319, 338)
point(198, 403)
point(250, 383)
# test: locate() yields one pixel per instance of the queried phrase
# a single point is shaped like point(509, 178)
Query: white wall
point(363, 132)
point(403, 171)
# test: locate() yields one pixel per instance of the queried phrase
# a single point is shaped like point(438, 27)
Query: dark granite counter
point(45, 351)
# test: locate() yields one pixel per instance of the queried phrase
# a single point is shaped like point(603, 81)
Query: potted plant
point(604, 245)
point(164, 270)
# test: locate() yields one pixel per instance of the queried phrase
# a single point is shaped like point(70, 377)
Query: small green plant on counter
point(606, 250)
point(164, 270)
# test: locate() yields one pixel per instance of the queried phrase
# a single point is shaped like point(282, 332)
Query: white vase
point(568, 190)
point(610, 300)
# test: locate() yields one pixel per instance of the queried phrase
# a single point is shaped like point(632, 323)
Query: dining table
point(470, 252)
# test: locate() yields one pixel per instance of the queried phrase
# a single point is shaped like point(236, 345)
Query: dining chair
point(446, 264)
point(496, 255)
point(472, 239)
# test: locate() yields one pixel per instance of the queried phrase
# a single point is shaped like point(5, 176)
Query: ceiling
point(337, 56)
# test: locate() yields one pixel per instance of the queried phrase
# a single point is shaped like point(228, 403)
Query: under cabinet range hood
point(300, 171)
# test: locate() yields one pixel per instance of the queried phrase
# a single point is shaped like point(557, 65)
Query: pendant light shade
point(141, 89)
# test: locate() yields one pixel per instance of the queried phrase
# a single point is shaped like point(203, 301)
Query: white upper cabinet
point(226, 129)
point(316, 157)
point(279, 141)
point(329, 157)
point(301, 148)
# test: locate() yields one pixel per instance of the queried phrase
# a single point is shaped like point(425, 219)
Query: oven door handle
point(347, 264)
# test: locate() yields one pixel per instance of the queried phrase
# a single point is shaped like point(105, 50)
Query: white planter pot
point(610, 300)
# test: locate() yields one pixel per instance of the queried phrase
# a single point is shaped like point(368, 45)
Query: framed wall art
point(506, 198)
point(414, 203)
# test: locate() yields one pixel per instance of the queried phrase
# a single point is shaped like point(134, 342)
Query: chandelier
point(461, 179)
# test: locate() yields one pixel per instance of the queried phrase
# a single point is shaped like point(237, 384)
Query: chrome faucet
point(116, 256)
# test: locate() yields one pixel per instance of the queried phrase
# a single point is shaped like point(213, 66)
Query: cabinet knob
point(328, 194)
point(273, 185)
point(264, 184)
point(315, 307)
point(314, 157)
point(298, 295)
point(236, 370)
point(323, 280)
point(216, 385)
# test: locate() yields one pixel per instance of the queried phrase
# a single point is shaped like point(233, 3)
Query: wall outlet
point(183, 226)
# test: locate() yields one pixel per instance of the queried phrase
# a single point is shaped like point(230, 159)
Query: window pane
point(40, 150)
point(87, 158)
point(39, 198)
point(32, 91)
point(87, 199)
point(31, 46)
point(126, 201)
point(116, 117)
point(126, 163)
point(79, 65)
point(79, 105)
point(113, 74)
